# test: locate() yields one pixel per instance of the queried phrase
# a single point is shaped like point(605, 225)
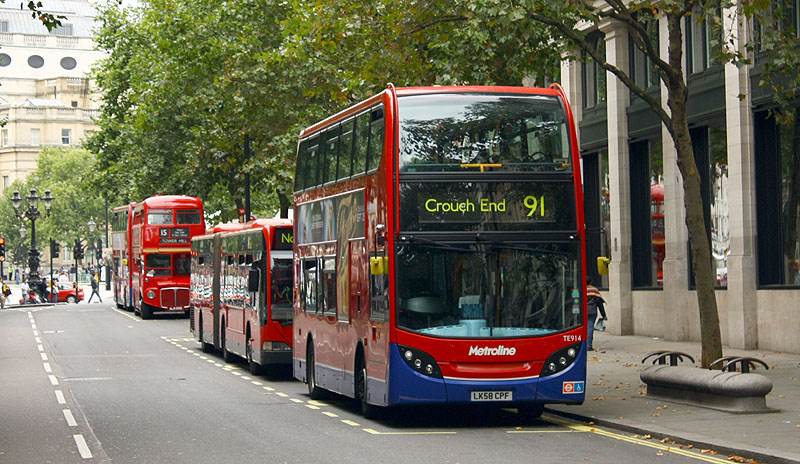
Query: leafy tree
point(61, 171)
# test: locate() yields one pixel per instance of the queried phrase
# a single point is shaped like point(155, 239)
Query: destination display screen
point(174, 235)
point(431, 206)
point(283, 239)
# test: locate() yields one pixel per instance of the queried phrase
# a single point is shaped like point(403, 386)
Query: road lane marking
point(60, 397)
point(282, 395)
point(295, 400)
point(127, 315)
point(83, 448)
point(40, 347)
point(269, 389)
point(44, 356)
point(638, 441)
point(70, 418)
point(311, 406)
point(47, 368)
point(351, 423)
point(330, 414)
point(35, 333)
point(256, 382)
point(53, 379)
point(375, 432)
point(38, 340)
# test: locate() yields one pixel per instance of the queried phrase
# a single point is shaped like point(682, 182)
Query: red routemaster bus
point(241, 291)
point(120, 255)
point(439, 250)
point(161, 232)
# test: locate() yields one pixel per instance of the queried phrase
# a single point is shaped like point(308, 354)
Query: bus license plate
point(491, 396)
point(175, 308)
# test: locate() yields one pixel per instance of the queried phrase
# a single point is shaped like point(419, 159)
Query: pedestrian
point(594, 303)
point(16, 275)
point(5, 292)
point(95, 288)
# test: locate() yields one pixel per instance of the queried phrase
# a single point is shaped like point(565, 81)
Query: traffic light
point(77, 250)
point(55, 248)
point(2, 249)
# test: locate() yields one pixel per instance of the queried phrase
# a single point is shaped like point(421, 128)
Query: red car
point(66, 292)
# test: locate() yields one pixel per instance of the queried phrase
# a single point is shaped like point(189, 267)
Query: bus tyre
point(369, 411)
point(314, 391)
point(530, 411)
point(206, 347)
point(147, 312)
point(255, 368)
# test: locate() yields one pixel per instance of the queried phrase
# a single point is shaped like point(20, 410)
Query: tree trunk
point(285, 204)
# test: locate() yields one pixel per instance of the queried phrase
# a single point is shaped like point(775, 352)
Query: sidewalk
point(616, 397)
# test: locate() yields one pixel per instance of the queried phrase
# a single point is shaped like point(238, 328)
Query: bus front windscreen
point(470, 131)
point(484, 290)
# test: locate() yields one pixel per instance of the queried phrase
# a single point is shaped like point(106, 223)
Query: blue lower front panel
point(407, 386)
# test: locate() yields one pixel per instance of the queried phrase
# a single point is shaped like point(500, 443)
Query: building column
point(742, 315)
point(680, 305)
point(619, 297)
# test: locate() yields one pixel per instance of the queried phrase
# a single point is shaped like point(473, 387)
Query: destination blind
point(487, 206)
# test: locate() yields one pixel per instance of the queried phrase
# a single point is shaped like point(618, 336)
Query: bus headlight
point(151, 294)
point(420, 361)
point(275, 346)
point(560, 360)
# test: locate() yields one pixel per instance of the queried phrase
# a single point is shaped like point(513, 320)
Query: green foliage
point(62, 171)
point(48, 20)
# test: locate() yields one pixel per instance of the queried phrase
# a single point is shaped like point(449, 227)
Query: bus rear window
point(159, 217)
point(189, 217)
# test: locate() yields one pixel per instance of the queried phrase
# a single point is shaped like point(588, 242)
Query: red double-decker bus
point(439, 250)
point(161, 232)
point(241, 291)
point(120, 254)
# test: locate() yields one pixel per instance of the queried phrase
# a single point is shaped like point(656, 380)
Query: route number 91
point(533, 203)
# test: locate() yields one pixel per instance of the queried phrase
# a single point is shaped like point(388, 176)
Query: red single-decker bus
point(241, 291)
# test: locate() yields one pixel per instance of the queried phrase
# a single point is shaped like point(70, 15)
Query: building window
point(5, 60)
point(68, 63)
point(710, 146)
point(593, 76)
point(64, 29)
point(36, 137)
point(643, 71)
point(6, 182)
point(598, 213)
point(35, 61)
point(4, 26)
point(702, 42)
point(65, 136)
point(647, 214)
point(778, 199)
point(4, 138)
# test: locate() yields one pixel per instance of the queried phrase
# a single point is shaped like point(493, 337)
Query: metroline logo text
point(489, 351)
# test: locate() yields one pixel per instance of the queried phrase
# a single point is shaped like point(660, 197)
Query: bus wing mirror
point(602, 265)
point(378, 265)
point(253, 279)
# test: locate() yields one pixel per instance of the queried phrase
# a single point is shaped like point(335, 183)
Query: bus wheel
point(146, 312)
point(255, 368)
point(369, 411)
point(227, 356)
point(314, 391)
point(530, 411)
point(206, 347)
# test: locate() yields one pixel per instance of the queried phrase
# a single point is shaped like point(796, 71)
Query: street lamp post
point(32, 213)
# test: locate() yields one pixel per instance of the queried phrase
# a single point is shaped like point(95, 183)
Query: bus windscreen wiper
point(428, 243)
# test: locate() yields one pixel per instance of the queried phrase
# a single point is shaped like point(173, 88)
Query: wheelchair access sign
point(572, 387)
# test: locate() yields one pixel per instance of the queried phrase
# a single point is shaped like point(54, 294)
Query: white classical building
point(635, 200)
point(46, 95)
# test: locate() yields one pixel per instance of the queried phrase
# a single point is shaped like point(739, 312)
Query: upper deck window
point(457, 132)
point(159, 217)
point(189, 216)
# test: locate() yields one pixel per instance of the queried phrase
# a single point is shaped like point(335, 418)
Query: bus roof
point(170, 201)
point(405, 91)
point(127, 207)
point(267, 222)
